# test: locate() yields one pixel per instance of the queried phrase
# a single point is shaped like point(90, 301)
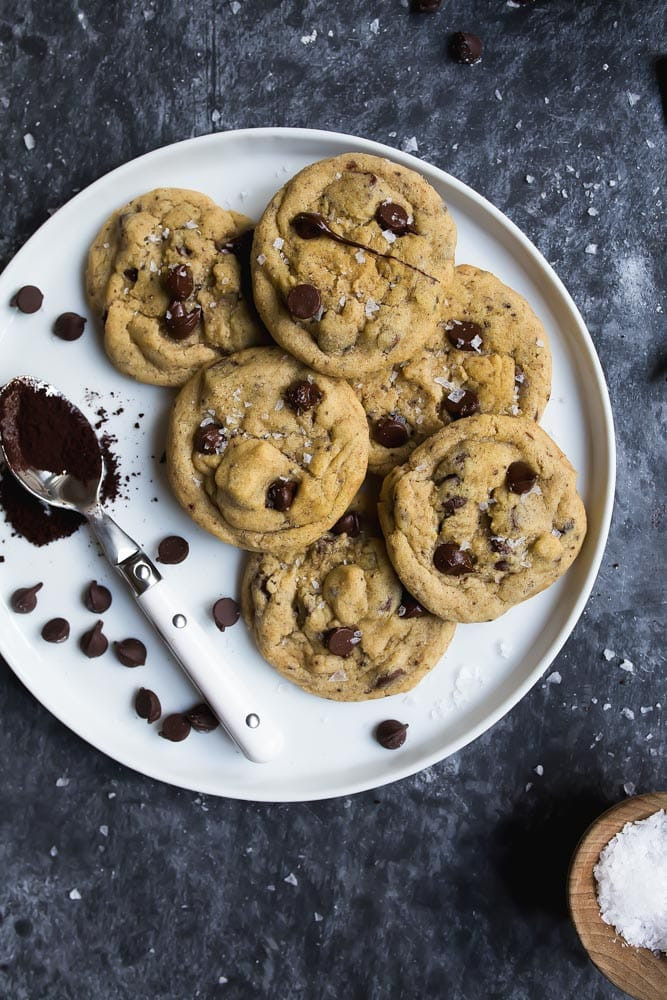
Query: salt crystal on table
point(633, 99)
point(554, 678)
point(410, 145)
point(629, 788)
point(375, 26)
point(539, 770)
point(631, 878)
point(62, 782)
point(74, 894)
point(291, 879)
point(627, 665)
point(592, 248)
point(318, 917)
point(608, 654)
point(29, 141)
point(628, 713)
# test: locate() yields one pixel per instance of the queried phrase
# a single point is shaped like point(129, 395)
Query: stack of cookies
point(341, 341)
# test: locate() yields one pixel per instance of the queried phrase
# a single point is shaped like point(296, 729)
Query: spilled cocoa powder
point(45, 431)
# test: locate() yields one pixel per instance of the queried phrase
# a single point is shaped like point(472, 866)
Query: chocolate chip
point(131, 274)
point(391, 432)
point(94, 642)
point(209, 439)
point(304, 301)
point(387, 679)
point(461, 406)
point(202, 719)
point(453, 504)
point(303, 396)
point(500, 546)
point(520, 477)
point(391, 216)
point(465, 336)
point(172, 550)
point(56, 630)
point(179, 322)
point(147, 705)
point(97, 598)
point(410, 608)
point(226, 613)
point(310, 225)
point(69, 326)
point(341, 641)
point(179, 281)
point(425, 6)
point(130, 652)
point(450, 559)
point(24, 600)
point(28, 299)
point(280, 494)
point(391, 734)
point(502, 566)
point(348, 524)
point(466, 48)
point(175, 728)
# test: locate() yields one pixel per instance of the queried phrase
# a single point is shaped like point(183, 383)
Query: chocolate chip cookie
point(169, 275)
point(484, 514)
point(489, 354)
point(263, 452)
point(350, 264)
point(336, 621)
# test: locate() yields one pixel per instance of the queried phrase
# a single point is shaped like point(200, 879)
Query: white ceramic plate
point(329, 747)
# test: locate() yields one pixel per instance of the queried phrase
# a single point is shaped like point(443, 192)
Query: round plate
point(329, 746)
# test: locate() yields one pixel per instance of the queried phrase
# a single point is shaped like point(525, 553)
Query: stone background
point(449, 884)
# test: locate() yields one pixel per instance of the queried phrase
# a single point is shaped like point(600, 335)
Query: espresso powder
point(46, 431)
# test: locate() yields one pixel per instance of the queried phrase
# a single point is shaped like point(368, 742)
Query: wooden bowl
point(638, 971)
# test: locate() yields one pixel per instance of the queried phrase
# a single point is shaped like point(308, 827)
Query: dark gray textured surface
point(450, 884)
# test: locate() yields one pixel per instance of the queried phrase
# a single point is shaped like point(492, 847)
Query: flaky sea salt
point(278, 243)
point(261, 259)
point(631, 878)
point(360, 257)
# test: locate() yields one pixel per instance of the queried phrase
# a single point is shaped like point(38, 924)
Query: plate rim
point(584, 340)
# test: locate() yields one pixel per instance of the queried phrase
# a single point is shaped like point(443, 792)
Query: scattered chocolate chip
point(341, 641)
point(179, 322)
point(410, 608)
point(56, 630)
point(304, 301)
point(131, 273)
point(147, 705)
point(97, 598)
point(94, 642)
point(172, 550)
point(202, 719)
point(425, 6)
point(387, 679)
point(453, 504)
point(500, 546)
point(391, 216)
point(391, 432)
point(349, 524)
point(226, 613)
point(28, 299)
point(209, 439)
point(520, 477)
point(179, 281)
point(69, 326)
point(24, 600)
point(450, 559)
point(130, 652)
point(175, 728)
point(502, 566)
point(303, 396)
point(465, 336)
point(280, 494)
point(462, 406)
point(466, 48)
point(391, 734)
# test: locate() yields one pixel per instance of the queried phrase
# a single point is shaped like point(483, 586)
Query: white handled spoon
point(234, 704)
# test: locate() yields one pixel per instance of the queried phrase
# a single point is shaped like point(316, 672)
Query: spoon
point(638, 971)
point(234, 704)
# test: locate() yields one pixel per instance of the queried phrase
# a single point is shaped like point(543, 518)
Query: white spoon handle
point(230, 699)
